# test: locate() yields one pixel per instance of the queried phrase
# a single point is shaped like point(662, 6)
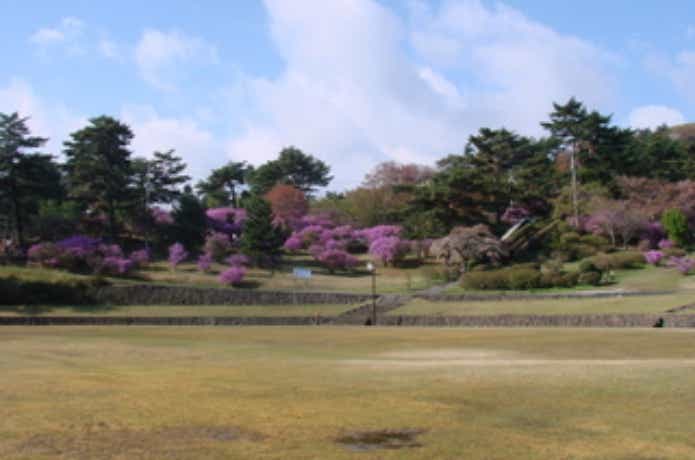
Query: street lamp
point(372, 269)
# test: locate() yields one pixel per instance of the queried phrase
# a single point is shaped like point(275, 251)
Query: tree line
point(102, 187)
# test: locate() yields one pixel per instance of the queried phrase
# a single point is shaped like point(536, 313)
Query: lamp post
point(372, 269)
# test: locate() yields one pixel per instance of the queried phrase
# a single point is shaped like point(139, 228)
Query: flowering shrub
point(204, 262)
point(683, 264)
point(45, 254)
point(233, 275)
point(140, 258)
point(177, 254)
point(666, 244)
point(81, 246)
point(654, 233)
point(114, 265)
point(380, 231)
point(389, 249)
point(336, 259)
point(238, 260)
point(653, 257)
point(226, 220)
point(218, 246)
point(294, 243)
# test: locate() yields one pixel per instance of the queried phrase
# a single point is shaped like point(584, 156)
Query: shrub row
point(616, 261)
point(23, 292)
point(518, 278)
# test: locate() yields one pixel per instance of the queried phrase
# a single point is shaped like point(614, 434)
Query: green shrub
point(523, 278)
point(674, 252)
point(572, 246)
point(592, 278)
point(587, 265)
point(618, 260)
point(517, 277)
point(676, 225)
point(23, 292)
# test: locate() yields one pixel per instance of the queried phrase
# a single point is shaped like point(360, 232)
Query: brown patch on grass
point(98, 440)
point(361, 441)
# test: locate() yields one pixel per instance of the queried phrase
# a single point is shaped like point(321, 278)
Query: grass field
point(645, 304)
point(285, 393)
point(196, 310)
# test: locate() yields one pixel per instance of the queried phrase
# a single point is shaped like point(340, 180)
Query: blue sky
point(354, 82)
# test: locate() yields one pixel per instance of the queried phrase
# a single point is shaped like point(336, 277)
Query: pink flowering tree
point(390, 250)
point(337, 259)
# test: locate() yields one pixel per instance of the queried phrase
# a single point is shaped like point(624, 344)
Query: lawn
point(285, 393)
point(196, 310)
point(628, 304)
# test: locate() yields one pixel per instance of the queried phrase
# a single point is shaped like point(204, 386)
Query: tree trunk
point(575, 198)
point(18, 222)
point(112, 222)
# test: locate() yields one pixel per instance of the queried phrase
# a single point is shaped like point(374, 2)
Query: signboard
point(301, 273)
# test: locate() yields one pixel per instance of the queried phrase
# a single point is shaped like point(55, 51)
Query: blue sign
point(302, 273)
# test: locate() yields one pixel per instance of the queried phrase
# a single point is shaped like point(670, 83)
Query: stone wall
point(182, 295)
point(511, 296)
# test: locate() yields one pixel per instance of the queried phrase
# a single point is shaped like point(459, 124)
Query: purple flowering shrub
point(218, 245)
point(82, 254)
point(653, 257)
point(161, 217)
point(205, 262)
point(233, 275)
point(177, 254)
point(226, 220)
point(389, 249)
point(337, 259)
point(141, 258)
point(373, 234)
point(666, 244)
point(238, 260)
point(683, 264)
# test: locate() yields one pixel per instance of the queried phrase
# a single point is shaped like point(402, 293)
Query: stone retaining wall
point(635, 320)
point(563, 295)
point(182, 295)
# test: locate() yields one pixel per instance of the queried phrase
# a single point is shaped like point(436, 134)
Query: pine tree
point(261, 240)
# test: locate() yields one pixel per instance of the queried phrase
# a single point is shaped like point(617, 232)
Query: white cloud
point(53, 121)
point(351, 95)
point(68, 35)
point(153, 132)
point(164, 57)
point(109, 49)
point(653, 116)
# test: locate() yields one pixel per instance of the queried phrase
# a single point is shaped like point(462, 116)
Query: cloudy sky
point(354, 82)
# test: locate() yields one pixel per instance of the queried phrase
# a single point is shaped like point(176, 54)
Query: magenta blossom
point(683, 264)
point(232, 276)
point(177, 254)
point(238, 260)
point(653, 257)
point(204, 262)
point(389, 249)
point(666, 244)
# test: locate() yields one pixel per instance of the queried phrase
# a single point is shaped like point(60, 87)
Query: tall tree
point(159, 180)
point(190, 221)
point(292, 167)
point(261, 239)
point(221, 188)
point(596, 149)
point(25, 178)
point(99, 167)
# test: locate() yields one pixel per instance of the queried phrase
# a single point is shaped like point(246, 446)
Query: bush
point(618, 260)
point(587, 266)
point(23, 292)
point(674, 252)
point(177, 254)
point(218, 246)
point(592, 278)
point(204, 262)
point(676, 225)
point(518, 277)
point(572, 246)
point(233, 275)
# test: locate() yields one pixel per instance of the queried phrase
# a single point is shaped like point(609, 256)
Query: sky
point(353, 82)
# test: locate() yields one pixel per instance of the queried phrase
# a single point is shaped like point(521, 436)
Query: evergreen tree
point(261, 239)
point(99, 168)
point(190, 221)
point(292, 167)
point(25, 178)
point(221, 188)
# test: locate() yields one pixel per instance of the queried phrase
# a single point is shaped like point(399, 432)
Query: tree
point(261, 240)
point(221, 188)
point(99, 168)
point(159, 180)
point(25, 178)
point(289, 204)
point(391, 174)
point(190, 221)
point(467, 245)
point(676, 226)
point(292, 167)
point(596, 150)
